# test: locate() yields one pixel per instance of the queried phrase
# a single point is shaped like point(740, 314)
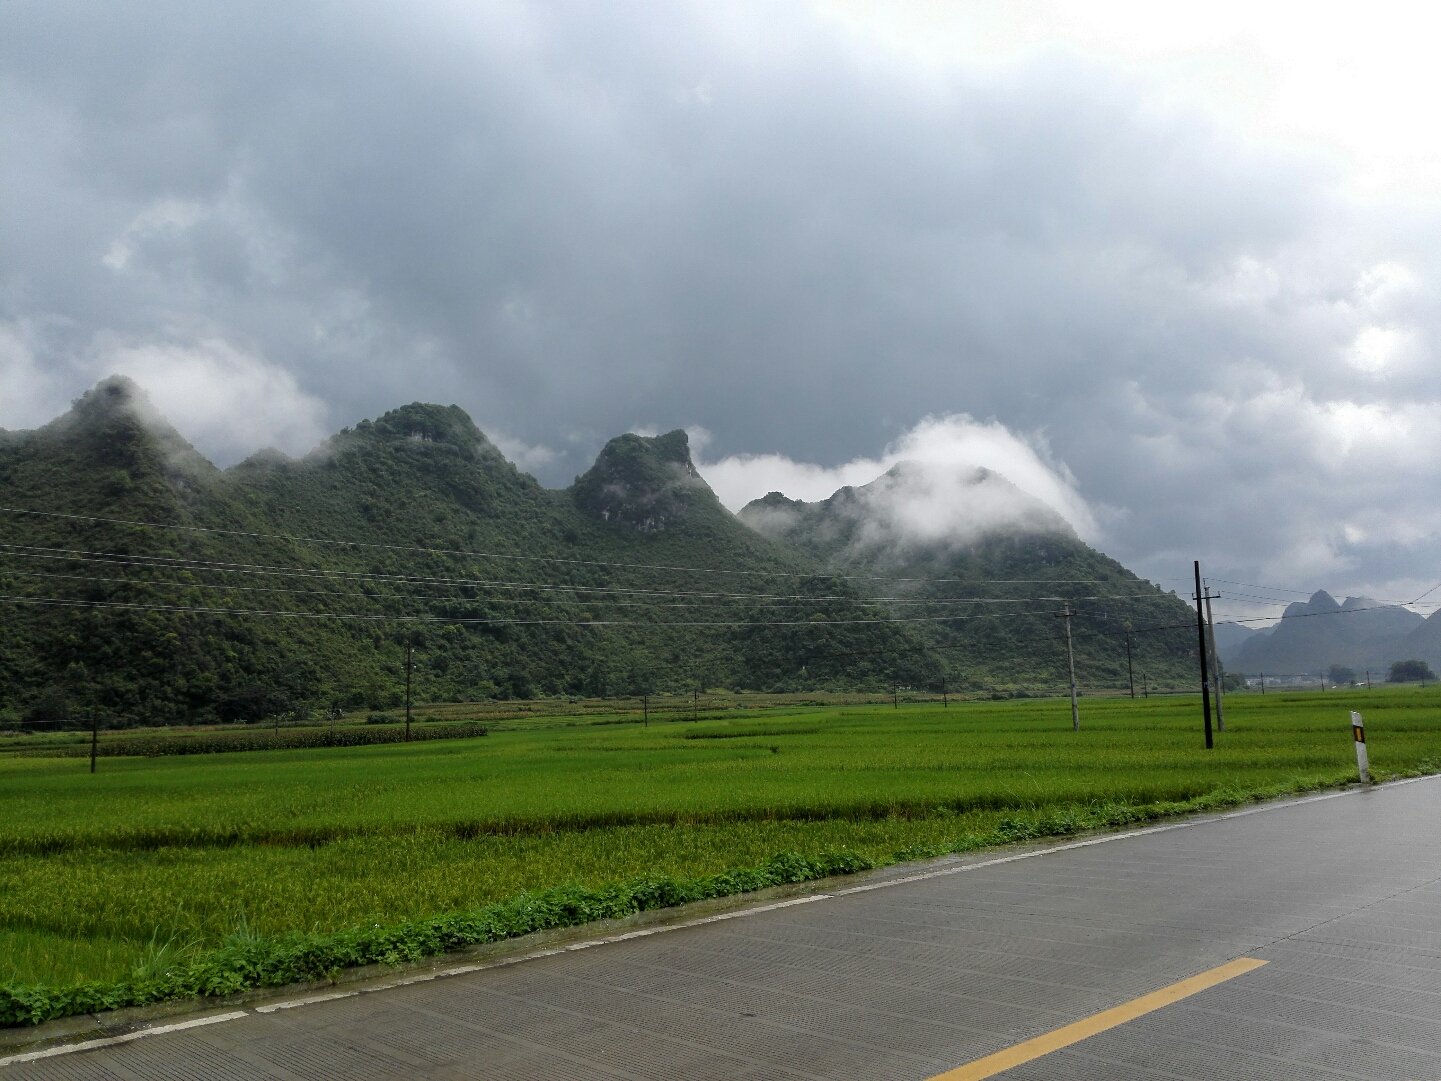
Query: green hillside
point(987, 597)
point(138, 577)
point(291, 585)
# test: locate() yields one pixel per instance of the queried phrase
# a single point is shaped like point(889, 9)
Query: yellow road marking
point(1031, 1049)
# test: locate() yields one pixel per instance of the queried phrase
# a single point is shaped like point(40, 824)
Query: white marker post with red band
point(1358, 733)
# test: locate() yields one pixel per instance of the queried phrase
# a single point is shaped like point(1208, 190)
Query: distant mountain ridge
point(1016, 556)
point(286, 584)
point(910, 508)
point(1358, 633)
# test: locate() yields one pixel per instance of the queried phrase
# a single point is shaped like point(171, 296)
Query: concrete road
point(1336, 901)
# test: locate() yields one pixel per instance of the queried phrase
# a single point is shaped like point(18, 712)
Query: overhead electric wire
point(536, 559)
point(598, 595)
point(602, 595)
point(453, 599)
point(178, 563)
point(1311, 593)
point(1258, 585)
point(1267, 619)
point(216, 566)
point(1078, 632)
point(1428, 593)
point(198, 609)
point(381, 597)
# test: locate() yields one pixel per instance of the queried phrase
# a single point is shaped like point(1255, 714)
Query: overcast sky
point(1177, 274)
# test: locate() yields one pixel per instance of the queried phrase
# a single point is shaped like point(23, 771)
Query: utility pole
point(1215, 661)
point(945, 701)
point(1066, 614)
point(645, 709)
point(1201, 644)
point(409, 650)
point(1263, 682)
point(1130, 672)
point(94, 734)
point(896, 695)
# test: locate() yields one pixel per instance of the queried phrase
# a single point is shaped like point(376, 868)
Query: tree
point(253, 702)
point(50, 706)
point(1410, 672)
point(1340, 675)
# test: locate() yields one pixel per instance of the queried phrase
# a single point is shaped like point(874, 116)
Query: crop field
point(163, 876)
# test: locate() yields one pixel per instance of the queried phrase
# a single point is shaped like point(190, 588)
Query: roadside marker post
point(1358, 733)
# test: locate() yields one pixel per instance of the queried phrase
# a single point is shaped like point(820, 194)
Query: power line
point(601, 593)
point(534, 559)
point(1309, 593)
point(1298, 615)
point(784, 601)
point(1273, 589)
point(202, 565)
point(198, 609)
point(1428, 593)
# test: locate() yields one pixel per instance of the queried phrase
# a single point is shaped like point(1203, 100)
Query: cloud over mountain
point(936, 481)
point(799, 233)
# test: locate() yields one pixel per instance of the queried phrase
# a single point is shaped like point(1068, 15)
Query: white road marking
point(309, 1000)
point(111, 1041)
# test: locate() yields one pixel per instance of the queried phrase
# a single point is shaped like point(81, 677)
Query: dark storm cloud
point(571, 219)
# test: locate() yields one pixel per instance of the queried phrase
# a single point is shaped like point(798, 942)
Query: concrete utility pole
point(1130, 672)
point(1215, 661)
point(1201, 646)
point(1066, 614)
point(409, 650)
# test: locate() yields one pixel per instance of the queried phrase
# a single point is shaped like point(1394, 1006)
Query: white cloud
point(1165, 236)
point(1025, 460)
point(1280, 486)
point(230, 401)
point(1381, 286)
point(29, 389)
point(227, 401)
point(1357, 83)
point(166, 216)
point(942, 498)
point(525, 456)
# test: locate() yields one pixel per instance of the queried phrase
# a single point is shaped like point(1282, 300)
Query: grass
point(155, 866)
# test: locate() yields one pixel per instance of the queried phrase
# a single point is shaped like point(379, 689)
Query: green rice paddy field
point(154, 864)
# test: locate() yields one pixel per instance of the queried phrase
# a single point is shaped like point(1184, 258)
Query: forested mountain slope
point(990, 569)
point(282, 584)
